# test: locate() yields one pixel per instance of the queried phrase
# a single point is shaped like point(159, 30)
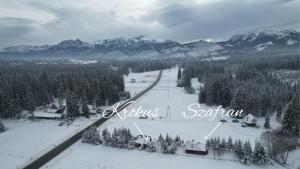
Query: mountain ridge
point(264, 40)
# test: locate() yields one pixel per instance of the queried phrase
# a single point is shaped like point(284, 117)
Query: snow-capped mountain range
point(264, 40)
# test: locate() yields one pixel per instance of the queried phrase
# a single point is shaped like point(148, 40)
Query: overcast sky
point(48, 22)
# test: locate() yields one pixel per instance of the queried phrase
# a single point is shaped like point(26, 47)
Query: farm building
point(250, 120)
point(92, 109)
point(46, 115)
point(195, 148)
point(52, 109)
point(142, 141)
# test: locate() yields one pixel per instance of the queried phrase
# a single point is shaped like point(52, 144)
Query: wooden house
point(250, 120)
point(195, 148)
point(142, 141)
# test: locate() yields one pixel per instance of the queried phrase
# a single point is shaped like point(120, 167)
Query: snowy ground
point(165, 94)
point(87, 156)
point(294, 158)
point(26, 140)
point(142, 81)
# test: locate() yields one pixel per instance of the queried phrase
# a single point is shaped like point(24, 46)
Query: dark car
point(223, 120)
point(235, 121)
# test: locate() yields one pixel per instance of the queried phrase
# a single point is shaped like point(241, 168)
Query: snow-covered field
point(165, 94)
point(88, 156)
point(26, 140)
point(142, 81)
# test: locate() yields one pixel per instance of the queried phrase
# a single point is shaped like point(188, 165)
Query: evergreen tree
point(2, 128)
point(85, 108)
point(114, 95)
point(291, 120)
point(91, 136)
point(179, 74)
point(168, 140)
point(238, 149)
point(223, 144)
point(106, 136)
point(267, 122)
point(72, 104)
point(160, 138)
point(259, 155)
point(247, 152)
point(230, 143)
point(151, 147)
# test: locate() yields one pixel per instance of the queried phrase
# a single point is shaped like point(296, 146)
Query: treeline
point(122, 138)
point(28, 85)
point(247, 84)
point(244, 152)
point(142, 65)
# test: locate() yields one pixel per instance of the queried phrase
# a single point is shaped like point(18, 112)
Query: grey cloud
point(13, 29)
point(180, 20)
point(224, 18)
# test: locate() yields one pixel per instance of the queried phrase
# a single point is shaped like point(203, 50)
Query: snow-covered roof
point(195, 146)
point(143, 139)
point(46, 115)
point(250, 118)
point(52, 110)
point(90, 107)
